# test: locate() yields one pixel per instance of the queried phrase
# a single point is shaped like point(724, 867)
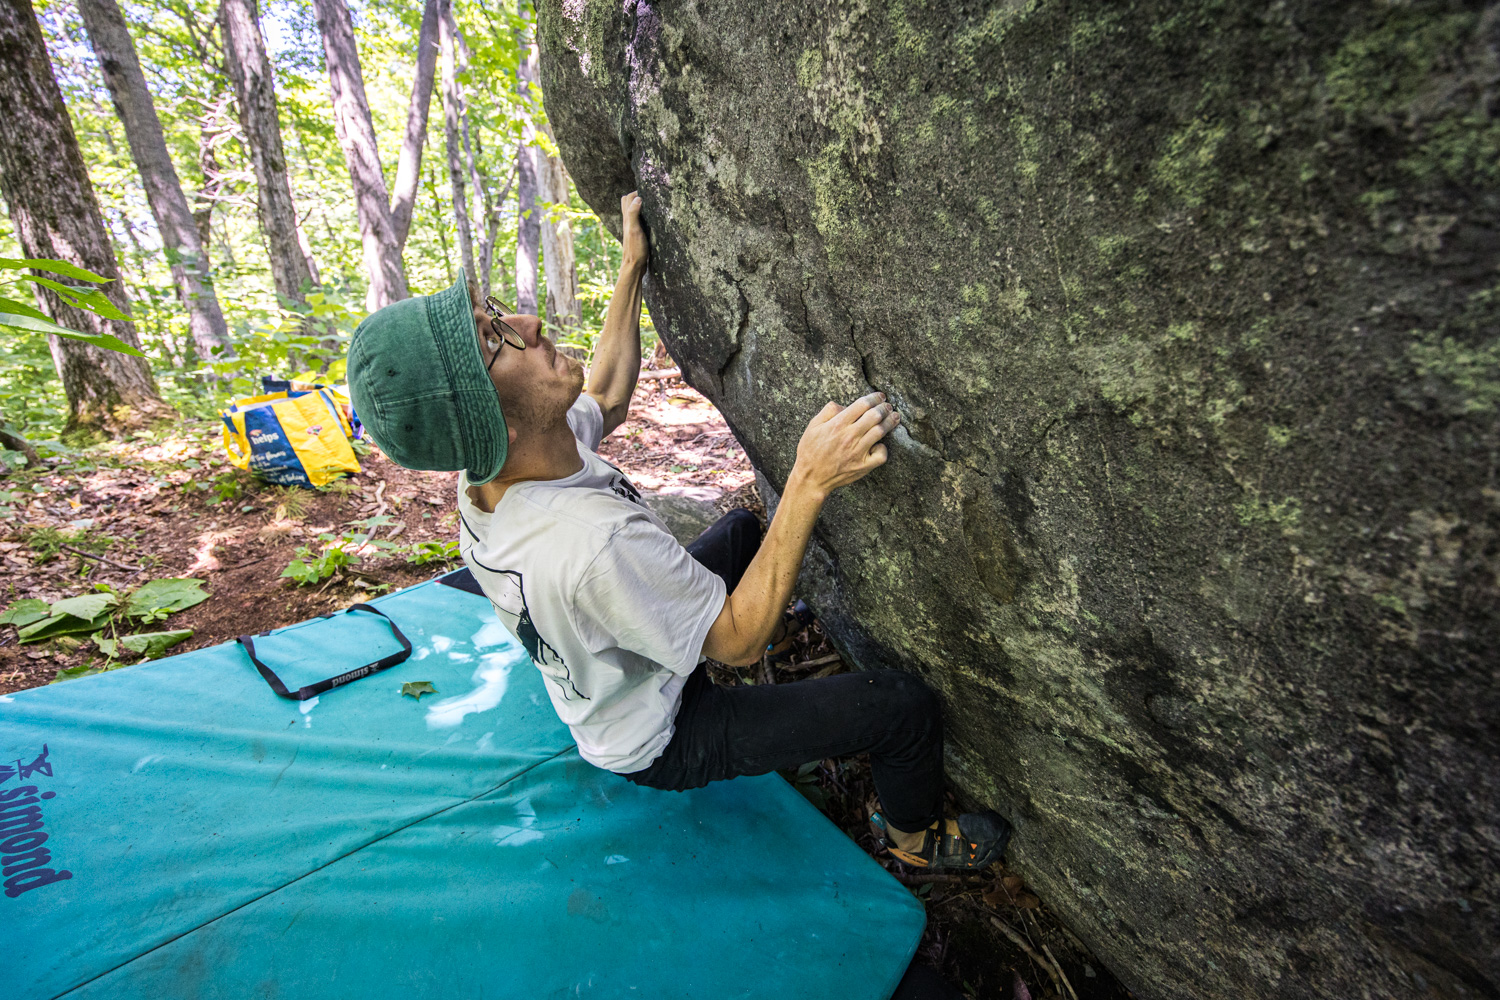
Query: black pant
point(726, 732)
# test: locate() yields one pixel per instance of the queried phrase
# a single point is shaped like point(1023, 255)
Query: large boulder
point(1191, 310)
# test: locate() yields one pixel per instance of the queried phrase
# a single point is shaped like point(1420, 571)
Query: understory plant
point(110, 618)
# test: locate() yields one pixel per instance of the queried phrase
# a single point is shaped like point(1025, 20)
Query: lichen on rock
point(1191, 311)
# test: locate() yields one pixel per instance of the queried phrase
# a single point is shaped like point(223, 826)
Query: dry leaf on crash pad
point(418, 688)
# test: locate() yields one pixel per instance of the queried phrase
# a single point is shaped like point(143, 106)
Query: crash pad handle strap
point(317, 688)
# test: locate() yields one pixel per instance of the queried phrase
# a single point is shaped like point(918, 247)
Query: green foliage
point(48, 542)
point(805, 780)
point(270, 335)
point(104, 609)
point(308, 568)
point(153, 644)
point(227, 486)
point(422, 553)
point(74, 615)
point(20, 316)
point(156, 599)
point(24, 612)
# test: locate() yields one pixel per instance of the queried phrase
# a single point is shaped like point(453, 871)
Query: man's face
point(537, 385)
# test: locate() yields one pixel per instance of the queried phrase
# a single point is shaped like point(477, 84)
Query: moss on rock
point(1190, 309)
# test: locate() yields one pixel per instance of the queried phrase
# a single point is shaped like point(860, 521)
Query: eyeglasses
point(508, 334)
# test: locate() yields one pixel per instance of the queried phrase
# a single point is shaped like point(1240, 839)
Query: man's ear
point(510, 435)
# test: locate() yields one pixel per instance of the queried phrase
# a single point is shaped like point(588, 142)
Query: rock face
point(1192, 311)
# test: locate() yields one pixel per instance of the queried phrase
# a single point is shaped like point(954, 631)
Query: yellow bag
point(290, 438)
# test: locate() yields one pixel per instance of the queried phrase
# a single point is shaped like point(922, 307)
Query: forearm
point(752, 612)
point(617, 354)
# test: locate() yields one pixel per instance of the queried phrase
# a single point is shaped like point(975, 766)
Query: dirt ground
point(172, 506)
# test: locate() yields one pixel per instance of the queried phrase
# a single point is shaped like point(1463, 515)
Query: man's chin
point(576, 372)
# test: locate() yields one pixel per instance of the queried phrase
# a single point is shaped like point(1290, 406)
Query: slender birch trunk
point(255, 92)
point(452, 115)
point(409, 167)
point(563, 310)
point(527, 217)
point(356, 132)
point(110, 37)
point(52, 204)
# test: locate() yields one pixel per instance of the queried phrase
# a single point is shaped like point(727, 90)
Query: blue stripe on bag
point(271, 454)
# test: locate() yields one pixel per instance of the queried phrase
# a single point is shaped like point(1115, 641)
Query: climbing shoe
point(973, 841)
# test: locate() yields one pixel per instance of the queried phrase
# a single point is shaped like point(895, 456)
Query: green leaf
point(25, 611)
point(86, 606)
point(153, 644)
point(61, 267)
point(109, 647)
point(155, 599)
point(107, 341)
point(72, 673)
point(61, 625)
point(89, 299)
point(12, 306)
point(418, 688)
point(814, 794)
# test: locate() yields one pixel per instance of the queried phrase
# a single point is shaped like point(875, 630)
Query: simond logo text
point(23, 859)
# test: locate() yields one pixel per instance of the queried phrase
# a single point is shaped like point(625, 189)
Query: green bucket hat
point(417, 381)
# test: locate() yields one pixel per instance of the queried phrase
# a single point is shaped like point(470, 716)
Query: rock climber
point(615, 613)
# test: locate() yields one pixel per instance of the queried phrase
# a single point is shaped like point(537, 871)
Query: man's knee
point(744, 524)
point(907, 696)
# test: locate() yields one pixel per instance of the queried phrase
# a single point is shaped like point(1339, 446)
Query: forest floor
point(165, 505)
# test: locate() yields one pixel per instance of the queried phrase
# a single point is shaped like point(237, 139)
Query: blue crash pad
point(224, 842)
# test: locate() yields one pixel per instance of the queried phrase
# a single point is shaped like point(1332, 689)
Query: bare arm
point(840, 446)
point(617, 355)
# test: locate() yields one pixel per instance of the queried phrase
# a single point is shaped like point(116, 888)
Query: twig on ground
point(905, 879)
point(821, 661)
point(1025, 946)
point(107, 562)
point(1058, 966)
point(660, 373)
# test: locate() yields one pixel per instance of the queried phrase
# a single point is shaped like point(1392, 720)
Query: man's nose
point(529, 327)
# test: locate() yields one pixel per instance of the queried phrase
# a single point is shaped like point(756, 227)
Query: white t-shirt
point(612, 609)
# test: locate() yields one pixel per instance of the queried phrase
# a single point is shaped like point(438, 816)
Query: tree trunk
point(56, 215)
point(452, 114)
point(409, 167)
point(16, 442)
point(563, 311)
point(255, 92)
point(356, 132)
point(527, 217)
point(214, 115)
point(482, 231)
point(174, 220)
point(493, 205)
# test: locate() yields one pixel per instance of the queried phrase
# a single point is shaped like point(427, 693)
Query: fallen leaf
point(418, 688)
point(153, 644)
point(69, 673)
point(109, 647)
point(86, 606)
point(159, 598)
point(25, 611)
point(61, 625)
point(1009, 892)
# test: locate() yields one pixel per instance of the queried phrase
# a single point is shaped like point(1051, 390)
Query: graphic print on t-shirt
point(621, 486)
point(508, 594)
